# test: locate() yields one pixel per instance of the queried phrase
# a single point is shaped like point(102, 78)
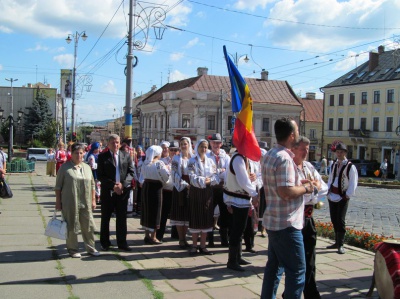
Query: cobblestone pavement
point(372, 209)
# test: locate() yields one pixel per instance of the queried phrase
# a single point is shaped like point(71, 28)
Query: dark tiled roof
point(262, 91)
point(389, 62)
point(313, 109)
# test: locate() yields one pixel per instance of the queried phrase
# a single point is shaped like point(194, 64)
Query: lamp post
point(148, 17)
point(236, 58)
point(76, 37)
point(11, 122)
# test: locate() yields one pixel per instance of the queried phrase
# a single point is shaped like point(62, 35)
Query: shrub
point(356, 238)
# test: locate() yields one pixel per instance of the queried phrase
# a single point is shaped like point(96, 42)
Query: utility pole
point(11, 122)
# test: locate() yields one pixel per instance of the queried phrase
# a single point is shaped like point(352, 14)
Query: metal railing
point(19, 166)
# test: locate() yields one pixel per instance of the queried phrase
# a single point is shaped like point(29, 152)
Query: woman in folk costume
point(180, 203)
point(141, 157)
point(153, 176)
point(91, 159)
point(203, 175)
point(61, 156)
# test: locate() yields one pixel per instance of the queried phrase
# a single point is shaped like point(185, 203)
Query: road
point(373, 210)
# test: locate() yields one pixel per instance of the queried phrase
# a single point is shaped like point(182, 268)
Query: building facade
point(361, 109)
point(200, 106)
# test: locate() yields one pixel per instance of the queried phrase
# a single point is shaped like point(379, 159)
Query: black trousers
point(119, 204)
point(166, 209)
point(249, 233)
point(310, 240)
point(239, 220)
point(224, 220)
point(338, 212)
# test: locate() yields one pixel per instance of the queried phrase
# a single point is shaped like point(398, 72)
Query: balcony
point(183, 131)
point(359, 133)
point(313, 139)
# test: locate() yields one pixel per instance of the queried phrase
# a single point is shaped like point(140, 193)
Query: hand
point(252, 177)
point(118, 188)
point(58, 206)
point(93, 204)
point(255, 201)
point(208, 181)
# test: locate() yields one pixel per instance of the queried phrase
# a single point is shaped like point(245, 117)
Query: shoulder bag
point(56, 228)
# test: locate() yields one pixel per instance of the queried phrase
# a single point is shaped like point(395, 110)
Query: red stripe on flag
point(245, 141)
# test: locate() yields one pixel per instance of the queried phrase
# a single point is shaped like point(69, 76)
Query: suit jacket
point(106, 171)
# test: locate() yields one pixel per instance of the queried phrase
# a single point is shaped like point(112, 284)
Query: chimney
point(202, 71)
point(373, 61)
point(29, 85)
point(310, 95)
point(264, 75)
point(381, 49)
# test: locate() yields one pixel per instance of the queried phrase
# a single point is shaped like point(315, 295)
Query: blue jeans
point(285, 253)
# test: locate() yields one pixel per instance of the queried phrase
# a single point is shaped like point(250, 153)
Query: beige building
point(312, 124)
point(361, 109)
point(199, 106)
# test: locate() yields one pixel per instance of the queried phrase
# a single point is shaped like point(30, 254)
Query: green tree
point(38, 121)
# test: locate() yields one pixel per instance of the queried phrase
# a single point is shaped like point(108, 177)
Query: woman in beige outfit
point(75, 197)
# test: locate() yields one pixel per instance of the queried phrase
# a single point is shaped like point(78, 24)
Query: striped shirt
point(279, 170)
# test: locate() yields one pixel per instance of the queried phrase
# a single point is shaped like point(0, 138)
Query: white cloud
point(176, 56)
point(354, 59)
point(38, 47)
point(5, 29)
point(65, 60)
point(252, 4)
point(109, 87)
point(177, 76)
point(192, 42)
point(335, 22)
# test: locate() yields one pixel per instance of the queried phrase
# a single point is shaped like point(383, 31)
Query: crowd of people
point(202, 189)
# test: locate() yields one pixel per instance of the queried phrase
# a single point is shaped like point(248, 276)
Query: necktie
point(217, 160)
point(117, 175)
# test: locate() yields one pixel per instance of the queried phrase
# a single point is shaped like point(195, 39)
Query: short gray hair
point(302, 139)
point(77, 146)
point(113, 137)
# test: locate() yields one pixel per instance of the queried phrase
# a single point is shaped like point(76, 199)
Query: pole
point(129, 74)
point(11, 123)
point(76, 38)
point(220, 119)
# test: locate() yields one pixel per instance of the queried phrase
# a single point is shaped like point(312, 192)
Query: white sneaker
point(76, 255)
point(94, 253)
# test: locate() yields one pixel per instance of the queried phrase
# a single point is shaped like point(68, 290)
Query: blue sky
point(308, 43)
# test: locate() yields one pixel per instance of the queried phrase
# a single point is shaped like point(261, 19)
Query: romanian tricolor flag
point(243, 137)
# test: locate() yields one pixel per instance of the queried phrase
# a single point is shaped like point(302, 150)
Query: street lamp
point(11, 122)
point(148, 17)
point(76, 37)
point(236, 58)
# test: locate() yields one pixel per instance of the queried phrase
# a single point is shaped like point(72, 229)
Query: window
point(361, 74)
point(330, 124)
point(351, 123)
point(331, 100)
point(390, 96)
point(364, 97)
point(265, 125)
point(155, 121)
point(341, 97)
point(377, 97)
point(363, 123)
point(149, 122)
point(313, 134)
point(340, 124)
point(230, 124)
point(352, 99)
point(185, 120)
point(162, 122)
point(375, 124)
point(210, 122)
point(389, 124)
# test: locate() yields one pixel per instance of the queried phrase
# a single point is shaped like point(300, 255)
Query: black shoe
point(251, 250)
point(333, 246)
point(211, 244)
point(242, 261)
point(224, 244)
point(125, 248)
point(205, 251)
point(235, 267)
point(341, 250)
point(147, 240)
point(155, 242)
point(105, 248)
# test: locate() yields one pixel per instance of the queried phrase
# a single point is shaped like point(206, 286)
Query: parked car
point(36, 154)
point(317, 165)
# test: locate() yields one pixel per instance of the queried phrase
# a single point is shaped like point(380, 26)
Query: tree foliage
point(39, 123)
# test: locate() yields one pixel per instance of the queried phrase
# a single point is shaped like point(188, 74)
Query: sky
point(308, 43)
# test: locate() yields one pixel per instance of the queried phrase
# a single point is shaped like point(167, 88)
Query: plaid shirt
point(279, 170)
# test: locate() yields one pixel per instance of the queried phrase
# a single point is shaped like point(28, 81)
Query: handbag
point(5, 190)
point(377, 172)
point(56, 228)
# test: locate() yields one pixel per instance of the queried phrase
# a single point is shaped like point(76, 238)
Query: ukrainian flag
point(244, 138)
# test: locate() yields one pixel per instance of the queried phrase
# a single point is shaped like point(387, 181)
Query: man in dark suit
point(115, 187)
